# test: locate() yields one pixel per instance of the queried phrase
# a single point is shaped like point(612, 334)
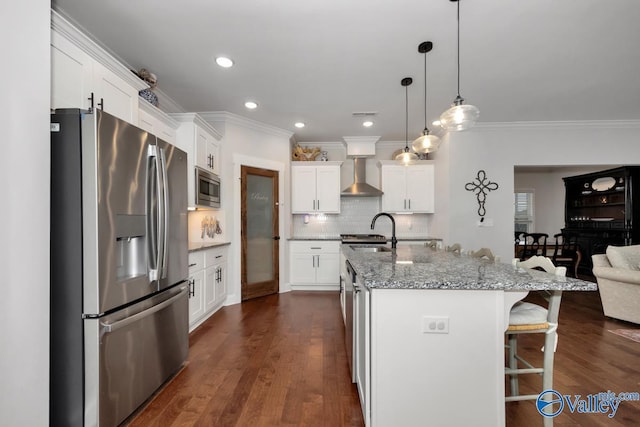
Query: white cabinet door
point(328, 189)
point(209, 288)
point(328, 268)
point(76, 79)
point(196, 296)
point(302, 268)
point(206, 151)
point(315, 188)
point(394, 182)
point(303, 189)
point(157, 123)
point(114, 94)
point(221, 283)
point(314, 265)
point(420, 188)
point(362, 324)
point(71, 74)
point(408, 188)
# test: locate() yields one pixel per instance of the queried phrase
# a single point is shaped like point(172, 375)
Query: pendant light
point(460, 116)
point(406, 155)
point(426, 143)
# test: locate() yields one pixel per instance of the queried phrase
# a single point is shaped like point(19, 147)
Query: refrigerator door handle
point(158, 197)
point(112, 327)
point(163, 225)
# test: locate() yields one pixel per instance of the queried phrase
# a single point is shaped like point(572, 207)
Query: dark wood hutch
point(599, 208)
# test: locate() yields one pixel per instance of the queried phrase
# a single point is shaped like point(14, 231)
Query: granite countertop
point(198, 246)
point(419, 267)
point(316, 238)
point(400, 239)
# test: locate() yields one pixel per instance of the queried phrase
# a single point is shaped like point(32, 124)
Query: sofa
point(618, 276)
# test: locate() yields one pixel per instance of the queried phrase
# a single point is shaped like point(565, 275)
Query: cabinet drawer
point(315, 246)
point(213, 256)
point(196, 261)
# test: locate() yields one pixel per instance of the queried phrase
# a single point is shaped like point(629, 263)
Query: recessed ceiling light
point(224, 62)
point(367, 123)
point(251, 105)
point(299, 125)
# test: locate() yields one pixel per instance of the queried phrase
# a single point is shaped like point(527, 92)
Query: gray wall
point(24, 217)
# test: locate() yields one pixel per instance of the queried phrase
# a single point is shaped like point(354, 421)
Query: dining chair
point(529, 318)
point(534, 244)
point(566, 252)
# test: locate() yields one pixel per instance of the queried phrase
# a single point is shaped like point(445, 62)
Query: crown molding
point(560, 125)
point(391, 144)
point(167, 103)
point(79, 37)
point(158, 114)
point(197, 119)
point(231, 118)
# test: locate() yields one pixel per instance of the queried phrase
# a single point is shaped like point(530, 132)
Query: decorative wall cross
point(481, 186)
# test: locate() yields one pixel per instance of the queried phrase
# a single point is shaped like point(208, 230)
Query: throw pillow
point(627, 257)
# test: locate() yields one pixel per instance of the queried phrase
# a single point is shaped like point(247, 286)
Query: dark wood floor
point(280, 360)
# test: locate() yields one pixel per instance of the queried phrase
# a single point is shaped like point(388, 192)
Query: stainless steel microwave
point(207, 188)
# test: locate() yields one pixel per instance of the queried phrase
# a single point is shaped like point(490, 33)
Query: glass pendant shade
point(427, 143)
point(460, 116)
point(406, 155)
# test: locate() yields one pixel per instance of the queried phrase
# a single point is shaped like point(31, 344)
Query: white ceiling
point(319, 61)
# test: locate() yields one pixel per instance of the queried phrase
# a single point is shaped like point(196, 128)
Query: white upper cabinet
point(315, 188)
point(407, 188)
point(157, 122)
point(207, 150)
point(84, 76)
point(201, 142)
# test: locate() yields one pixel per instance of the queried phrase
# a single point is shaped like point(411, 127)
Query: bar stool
point(455, 248)
point(483, 253)
point(528, 318)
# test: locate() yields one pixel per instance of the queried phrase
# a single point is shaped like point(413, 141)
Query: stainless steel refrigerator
point(119, 309)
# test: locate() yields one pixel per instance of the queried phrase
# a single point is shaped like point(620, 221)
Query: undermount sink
point(370, 248)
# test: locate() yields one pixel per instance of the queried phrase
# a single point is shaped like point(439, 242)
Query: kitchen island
point(429, 333)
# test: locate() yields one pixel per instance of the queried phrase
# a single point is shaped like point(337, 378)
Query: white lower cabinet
point(207, 284)
point(314, 265)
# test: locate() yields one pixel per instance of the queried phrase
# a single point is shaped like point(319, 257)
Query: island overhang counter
point(429, 334)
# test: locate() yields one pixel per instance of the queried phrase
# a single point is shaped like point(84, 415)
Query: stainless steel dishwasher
point(349, 280)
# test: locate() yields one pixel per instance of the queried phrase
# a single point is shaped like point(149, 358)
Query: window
point(524, 211)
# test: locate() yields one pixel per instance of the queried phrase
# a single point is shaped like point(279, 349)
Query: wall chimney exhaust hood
point(360, 148)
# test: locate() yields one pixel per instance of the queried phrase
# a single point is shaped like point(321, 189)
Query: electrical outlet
point(435, 324)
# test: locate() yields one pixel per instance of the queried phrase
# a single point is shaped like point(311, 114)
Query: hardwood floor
point(280, 361)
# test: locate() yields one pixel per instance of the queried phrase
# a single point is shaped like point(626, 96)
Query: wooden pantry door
point(260, 234)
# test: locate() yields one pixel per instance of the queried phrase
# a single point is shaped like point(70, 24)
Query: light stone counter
point(418, 267)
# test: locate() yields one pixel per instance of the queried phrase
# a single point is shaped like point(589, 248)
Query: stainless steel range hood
point(360, 187)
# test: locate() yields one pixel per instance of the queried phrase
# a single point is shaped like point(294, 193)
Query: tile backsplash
point(355, 216)
point(206, 226)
